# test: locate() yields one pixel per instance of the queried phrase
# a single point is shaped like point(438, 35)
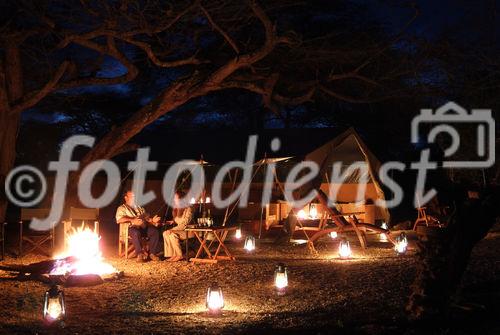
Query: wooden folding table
point(204, 253)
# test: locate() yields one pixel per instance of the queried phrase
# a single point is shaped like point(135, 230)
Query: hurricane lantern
point(250, 243)
point(333, 234)
point(215, 299)
point(237, 235)
point(281, 278)
point(401, 243)
point(54, 308)
point(345, 249)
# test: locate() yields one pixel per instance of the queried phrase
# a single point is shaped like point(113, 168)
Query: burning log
point(41, 271)
point(35, 269)
point(84, 280)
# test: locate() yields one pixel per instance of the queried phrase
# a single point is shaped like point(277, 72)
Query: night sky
point(436, 18)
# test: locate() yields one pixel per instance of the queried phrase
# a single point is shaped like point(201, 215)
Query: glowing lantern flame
point(238, 233)
point(301, 214)
point(333, 234)
point(207, 200)
point(281, 278)
point(401, 244)
point(344, 249)
point(249, 243)
point(54, 310)
point(83, 246)
point(215, 299)
point(54, 306)
point(192, 201)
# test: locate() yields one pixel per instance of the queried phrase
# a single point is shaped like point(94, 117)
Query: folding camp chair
point(79, 217)
point(425, 219)
point(35, 240)
point(311, 226)
point(2, 239)
point(125, 248)
point(123, 241)
point(349, 220)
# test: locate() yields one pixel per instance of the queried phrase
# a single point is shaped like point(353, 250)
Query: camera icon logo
point(452, 113)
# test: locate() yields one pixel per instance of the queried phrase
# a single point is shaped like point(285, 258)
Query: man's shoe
point(140, 258)
point(154, 257)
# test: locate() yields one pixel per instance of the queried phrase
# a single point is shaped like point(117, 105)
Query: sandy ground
point(365, 295)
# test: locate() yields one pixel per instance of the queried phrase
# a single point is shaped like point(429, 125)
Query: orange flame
point(83, 246)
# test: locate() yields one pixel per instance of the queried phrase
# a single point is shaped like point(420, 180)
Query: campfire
point(82, 263)
point(83, 255)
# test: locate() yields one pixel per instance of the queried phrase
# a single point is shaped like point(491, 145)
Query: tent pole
point(226, 214)
point(261, 207)
point(260, 224)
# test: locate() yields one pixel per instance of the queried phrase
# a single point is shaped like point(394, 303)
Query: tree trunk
point(444, 255)
point(8, 136)
point(11, 89)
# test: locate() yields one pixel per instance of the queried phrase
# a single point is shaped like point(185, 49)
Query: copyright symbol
point(25, 186)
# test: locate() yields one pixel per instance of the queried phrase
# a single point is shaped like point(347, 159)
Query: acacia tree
point(55, 46)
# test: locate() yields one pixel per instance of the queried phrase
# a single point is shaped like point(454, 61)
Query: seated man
point(139, 223)
point(181, 217)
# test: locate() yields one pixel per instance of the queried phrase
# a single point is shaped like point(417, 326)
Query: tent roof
point(347, 148)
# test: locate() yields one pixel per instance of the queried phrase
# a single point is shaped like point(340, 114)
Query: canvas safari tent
point(346, 149)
